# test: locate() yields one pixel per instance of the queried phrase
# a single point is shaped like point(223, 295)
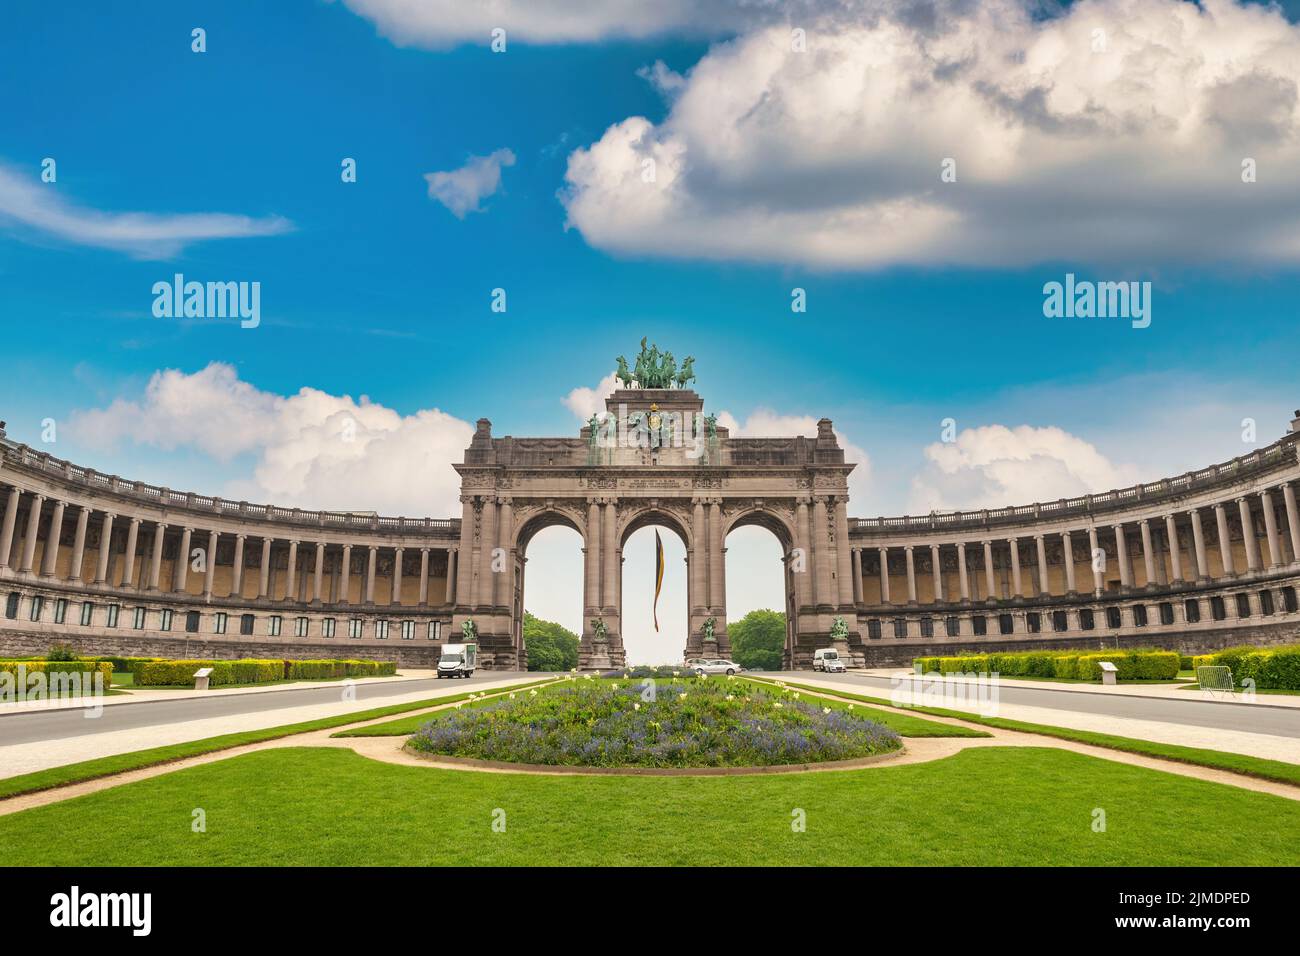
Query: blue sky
point(378, 290)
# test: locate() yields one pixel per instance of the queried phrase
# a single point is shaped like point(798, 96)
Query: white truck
point(827, 659)
point(457, 660)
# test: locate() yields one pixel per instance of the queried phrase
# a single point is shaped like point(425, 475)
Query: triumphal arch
point(656, 456)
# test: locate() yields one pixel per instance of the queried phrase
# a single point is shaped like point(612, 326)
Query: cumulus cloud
point(585, 402)
point(1111, 133)
point(30, 206)
point(310, 449)
point(993, 466)
point(461, 190)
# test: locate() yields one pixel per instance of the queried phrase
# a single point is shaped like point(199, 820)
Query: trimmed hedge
point(1076, 665)
point(155, 673)
point(122, 664)
point(59, 667)
point(1274, 668)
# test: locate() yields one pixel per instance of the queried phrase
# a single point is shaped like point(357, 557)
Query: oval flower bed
point(693, 723)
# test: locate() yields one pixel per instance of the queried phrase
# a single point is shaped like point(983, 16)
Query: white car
point(713, 665)
point(833, 665)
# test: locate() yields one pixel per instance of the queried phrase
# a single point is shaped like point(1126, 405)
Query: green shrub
point(54, 668)
point(1131, 665)
point(1066, 665)
point(156, 673)
point(61, 652)
point(1275, 668)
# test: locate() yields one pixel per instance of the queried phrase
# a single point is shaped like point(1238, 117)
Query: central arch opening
point(642, 643)
point(760, 602)
point(548, 609)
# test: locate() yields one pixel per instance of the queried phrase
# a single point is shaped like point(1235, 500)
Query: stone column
point(237, 571)
point(821, 554)
point(395, 591)
point(1270, 531)
point(181, 570)
point(424, 577)
point(1175, 549)
point(699, 597)
point(1071, 585)
point(1121, 557)
point(911, 574)
point(1148, 552)
point(857, 576)
point(591, 560)
point(291, 573)
point(505, 578)
point(1292, 518)
point(963, 575)
point(884, 576)
point(10, 519)
point(1225, 541)
point(155, 562)
point(485, 583)
point(105, 548)
point(211, 569)
point(609, 557)
point(1098, 565)
point(345, 575)
point(132, 538)
point(51, 554)
point(1016, 589)
point(264, 578)
point(372, 554)
point(1198, 540)
point(989, 581)
point(1044, 587)
point(1247, 533)
point(450, 596)
point(936, 571)
point(318, 576)
point(79, 545)
point(29, 541)
point(465, 553)
point(717, 579)
point(843, 557)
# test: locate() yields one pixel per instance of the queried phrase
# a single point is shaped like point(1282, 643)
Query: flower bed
point(708, 722)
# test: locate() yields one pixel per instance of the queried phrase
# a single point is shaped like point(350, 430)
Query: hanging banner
point(659, 575)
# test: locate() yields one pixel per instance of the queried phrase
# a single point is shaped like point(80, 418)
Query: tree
point(758, 640)
point(551, 646)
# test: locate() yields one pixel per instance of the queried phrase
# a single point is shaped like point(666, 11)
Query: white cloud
point(461, 190)
point(993, 466)
point(585, 402)
point(1127, 156)
point(29, 205)
point(765, 423)
point(303, 454)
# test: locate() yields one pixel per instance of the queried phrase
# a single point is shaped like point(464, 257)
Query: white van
point(457, 660)
point(827, 659)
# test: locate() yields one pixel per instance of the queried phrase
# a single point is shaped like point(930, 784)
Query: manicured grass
point(1265, 769)
point(985, 806)
point(135, 760)
point(261, 683)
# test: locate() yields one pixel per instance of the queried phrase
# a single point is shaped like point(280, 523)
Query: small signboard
point(1109, 672)
point(201, 678)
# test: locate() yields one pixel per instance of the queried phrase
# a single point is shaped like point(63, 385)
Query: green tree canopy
point(758, 639)
point(551, 646)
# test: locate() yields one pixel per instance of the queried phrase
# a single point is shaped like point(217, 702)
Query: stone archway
point(530, 523)
point(638, 514)
point(777, 520)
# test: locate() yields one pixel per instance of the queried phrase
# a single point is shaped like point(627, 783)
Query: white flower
point(675, 673)
point(851, 706)
point(826, 710)
point(779, 705)
point(731, 697)
point(616, 687)
point(681, 696)
point(512, 696)
point(532, 693)
point(636, 706)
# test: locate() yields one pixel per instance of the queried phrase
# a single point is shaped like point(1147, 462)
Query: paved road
point(62, 724)
point(1256, 718)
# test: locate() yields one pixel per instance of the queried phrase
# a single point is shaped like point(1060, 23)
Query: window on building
point(38, 605)
point(1087, 619)
point(191, 622)
point(927, 627)
point(273, 625)
point(60, 610)
point(1139, 615)
point(1219, 608)
point(220, 624)
point(246, 624)
point(1034, 622)
point(381, 630)
point(1005, 624)
point(900, 627)
point(354, 627)
point(1192, 610)
point(435, 630)
point(1266, 603)
point(300, 627)
point(327, 627)
point(873, 629)
point(1060, 621)
point(113, 611)
point(408, 630)
point(165, 624)
point(1166, 613)
point(137, 619)
point(952, 625)
point(11, 604)
point(1113, 617)
point(87, 613)
point(1288, 599)
point(979, 625)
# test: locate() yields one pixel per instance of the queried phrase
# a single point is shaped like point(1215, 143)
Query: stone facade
point(1200, 560)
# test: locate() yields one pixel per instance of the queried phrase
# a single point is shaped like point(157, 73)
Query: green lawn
point(988, 806)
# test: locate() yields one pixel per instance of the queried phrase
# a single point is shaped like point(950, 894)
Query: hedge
point(154, 673)
point(1275, 668)
point(121, 664)
point(1132, 665)
point(59, 667)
